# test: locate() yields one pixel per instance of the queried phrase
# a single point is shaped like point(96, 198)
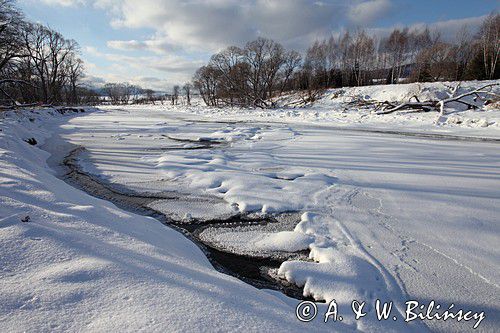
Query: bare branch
point(425, 106)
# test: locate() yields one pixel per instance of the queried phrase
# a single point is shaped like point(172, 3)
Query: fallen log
point(439, 105)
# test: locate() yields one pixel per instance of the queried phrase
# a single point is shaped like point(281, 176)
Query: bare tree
point(292, 62)
point(48, 51)
point(150, 95)
point(74, 69)
point(11, 26)
point(113, 92)
point(206, 81)
point(175, 94)
point(120, 93)
point(247, 77)
point(60, 49)
point(187, 91)
point(316, 65)
point(436, 62)
point(397, 47)
point(462, 53)
point(265, 58)
point(35, 42)
point(344, 46)
point(231, 72)
point(361, 55)
point(489, 36)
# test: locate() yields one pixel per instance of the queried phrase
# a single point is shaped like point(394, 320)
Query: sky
point(159, 43)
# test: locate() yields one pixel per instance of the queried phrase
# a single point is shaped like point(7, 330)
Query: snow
point(333, 109)
point(80, 263)
point(251, 241)
point(384, 215)
point(288, 241)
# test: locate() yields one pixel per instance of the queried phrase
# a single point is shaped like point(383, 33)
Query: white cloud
point(64, 3)
point(126, 45)
point(369, 11)
point(208, 25)
point(157, 45)
point(172, 68)
point(167, 63)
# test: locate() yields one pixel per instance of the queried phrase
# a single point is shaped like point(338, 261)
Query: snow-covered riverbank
point(81, 264)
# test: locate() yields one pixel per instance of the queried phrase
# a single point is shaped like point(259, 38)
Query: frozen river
point(383, 216)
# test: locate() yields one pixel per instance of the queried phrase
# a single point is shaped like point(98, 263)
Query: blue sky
point(159, 43)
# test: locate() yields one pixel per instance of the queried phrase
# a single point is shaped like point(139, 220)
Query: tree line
point(37, 63)
point(126, 93)
point(262, 69)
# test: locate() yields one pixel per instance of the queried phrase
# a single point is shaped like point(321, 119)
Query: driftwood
point(424, 106)
point(439, 105)
point(18, 106)
point(303, 98)
point(308, 96)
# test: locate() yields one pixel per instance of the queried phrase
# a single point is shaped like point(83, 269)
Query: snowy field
point(382, 215)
